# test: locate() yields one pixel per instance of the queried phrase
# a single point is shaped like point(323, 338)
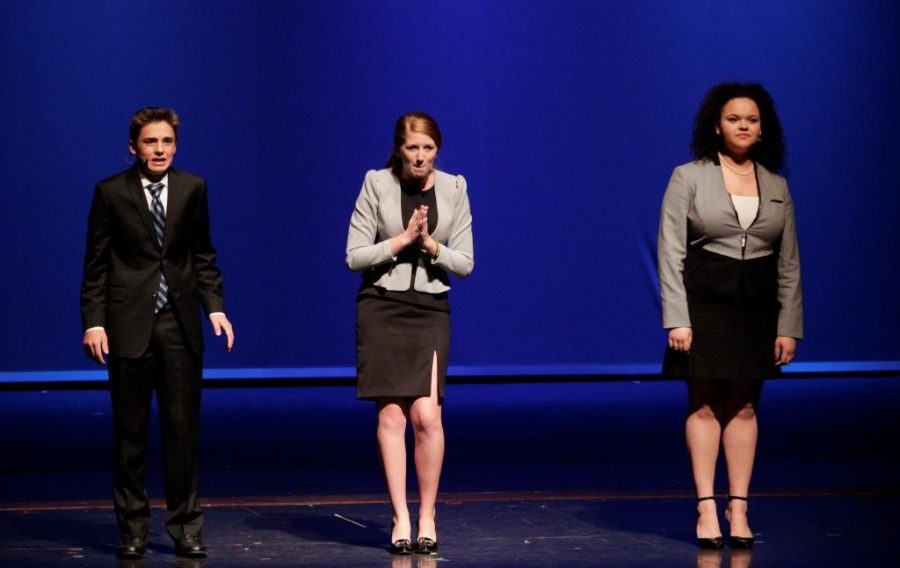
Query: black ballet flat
point(425, 545)
point(401, 546)
point(714, 543)
point(739, 542)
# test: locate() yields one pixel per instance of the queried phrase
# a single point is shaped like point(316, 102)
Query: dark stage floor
point(548, 474)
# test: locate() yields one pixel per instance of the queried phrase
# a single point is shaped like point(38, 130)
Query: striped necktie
point(159, 231)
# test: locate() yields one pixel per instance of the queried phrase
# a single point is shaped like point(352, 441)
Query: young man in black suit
point(148, 265)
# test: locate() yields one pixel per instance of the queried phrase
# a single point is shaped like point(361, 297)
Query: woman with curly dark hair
point(729, 275)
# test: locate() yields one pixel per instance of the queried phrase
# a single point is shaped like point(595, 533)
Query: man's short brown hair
point(147, 115)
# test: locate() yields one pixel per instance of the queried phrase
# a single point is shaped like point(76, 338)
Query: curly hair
point(769, 151)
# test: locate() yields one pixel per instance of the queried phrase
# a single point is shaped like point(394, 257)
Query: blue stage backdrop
point(566, 118)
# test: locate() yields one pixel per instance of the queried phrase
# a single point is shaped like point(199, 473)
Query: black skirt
point(733, 306)
point(397, 335)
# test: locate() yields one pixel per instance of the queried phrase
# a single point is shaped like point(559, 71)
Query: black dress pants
point(173, 371)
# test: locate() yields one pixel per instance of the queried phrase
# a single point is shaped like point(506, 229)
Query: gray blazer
point(698, 211)
point(377, 217)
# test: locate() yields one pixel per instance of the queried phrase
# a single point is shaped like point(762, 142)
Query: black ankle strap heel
point(715, 543)
point(739, 542)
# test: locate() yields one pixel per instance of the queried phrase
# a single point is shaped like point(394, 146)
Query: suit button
point(155, 294)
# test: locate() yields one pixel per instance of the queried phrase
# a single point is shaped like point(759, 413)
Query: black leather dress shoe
point(425, 545)
point(131, 548)
point(190, 546)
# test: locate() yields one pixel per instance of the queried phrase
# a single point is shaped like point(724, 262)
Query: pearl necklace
point(724, 163)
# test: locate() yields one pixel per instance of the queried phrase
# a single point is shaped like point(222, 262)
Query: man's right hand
point(95, 345)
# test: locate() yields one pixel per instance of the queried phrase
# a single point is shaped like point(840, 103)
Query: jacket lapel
point(442, 196)
point(390, 205)
point(175, 206)
point(139, 199)
point(766, 186)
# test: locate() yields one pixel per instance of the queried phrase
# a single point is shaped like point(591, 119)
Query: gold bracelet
point(437, 250)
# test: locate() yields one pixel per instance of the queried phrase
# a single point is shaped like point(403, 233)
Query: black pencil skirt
point(395, 345)
point(733, 306)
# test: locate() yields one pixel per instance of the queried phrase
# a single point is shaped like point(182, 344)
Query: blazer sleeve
point(671, 250)
point(790, 317)
point(362, 250)
point(458, 254)
point(203, 255)
point(96, 262)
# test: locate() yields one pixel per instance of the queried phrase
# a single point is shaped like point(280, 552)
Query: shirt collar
point(164, 180)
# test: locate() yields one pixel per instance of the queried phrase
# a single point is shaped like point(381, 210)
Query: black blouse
point(411, 199)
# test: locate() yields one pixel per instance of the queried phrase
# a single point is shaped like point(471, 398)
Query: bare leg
point(739, 441)
point(425, 414)
point(391, 434)
point(703, 434)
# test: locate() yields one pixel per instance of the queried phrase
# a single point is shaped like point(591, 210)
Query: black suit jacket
point(122, 261)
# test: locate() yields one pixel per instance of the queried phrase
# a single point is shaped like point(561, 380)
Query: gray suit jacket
point(697, 211)
point(377, 218)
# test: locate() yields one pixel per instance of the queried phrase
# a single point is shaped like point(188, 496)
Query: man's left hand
point(220, 323)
